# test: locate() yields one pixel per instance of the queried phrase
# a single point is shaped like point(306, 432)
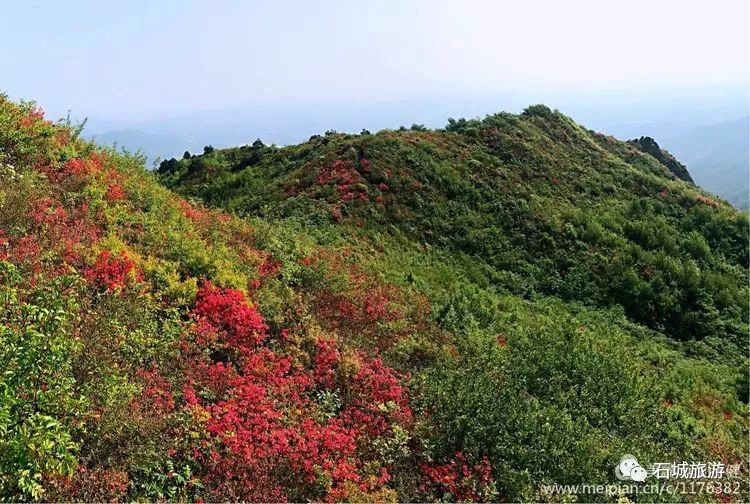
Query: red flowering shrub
point(75, 167)
point(326, 358)
point(25, 251)
point(363, 310)
point(344, 183)
point(191, 212)
point(27, 247)
point(376, 399)
point(269, 267)
point(459, 481)
point(113, 273)
point(261, 425)
point(48, 211)
point(225, 314)
point(267, 437)
point(3, 246)
point(71, 173)
point(156, 395)
point(115, 192)
point(67, 232)
point(33, 115)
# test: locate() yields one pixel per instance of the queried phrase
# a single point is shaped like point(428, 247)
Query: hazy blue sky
point(141, 60)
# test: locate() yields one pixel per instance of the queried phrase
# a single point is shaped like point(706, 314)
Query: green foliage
point(39, 411)
point(555, 397)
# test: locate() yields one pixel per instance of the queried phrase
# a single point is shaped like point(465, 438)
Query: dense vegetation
point(416, 315)
point(535, 204)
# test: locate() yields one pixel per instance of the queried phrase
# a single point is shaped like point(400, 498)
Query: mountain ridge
point(515, 178)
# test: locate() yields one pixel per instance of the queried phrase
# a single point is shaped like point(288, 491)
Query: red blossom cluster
point(73, 168)
point(115, 192)
point(53, 227)
point(224, 315)
point(26, 251)
point(156, 395)
point(191, 212)
point(66, 231)
point(339, 174)
point(363, 309)
point(267, 435)
point(3, 246)
point(254, 431)
point(113, 273)
point(48, 211)
point(269, 267)
point(268, 438)
point(460, 480)
point(349, 184)
point(34, 115)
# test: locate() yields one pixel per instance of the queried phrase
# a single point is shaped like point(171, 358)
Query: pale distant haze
point(173, 75)
point(142, 60)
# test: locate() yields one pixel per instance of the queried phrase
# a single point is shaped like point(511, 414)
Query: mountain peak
point(649, 146)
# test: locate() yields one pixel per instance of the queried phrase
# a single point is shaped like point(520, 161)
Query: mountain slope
point(133, 364)
point(340, 347)
point(542, 206)
point(489, 212)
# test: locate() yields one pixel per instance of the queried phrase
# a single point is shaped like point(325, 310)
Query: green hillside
point(608, 280)
point(530, 205)
point(459, 315)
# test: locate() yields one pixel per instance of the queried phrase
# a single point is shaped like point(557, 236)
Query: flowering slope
point(136, 363)
point(154, 349)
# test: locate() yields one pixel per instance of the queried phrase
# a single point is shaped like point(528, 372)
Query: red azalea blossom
point(227, 314)
point(262, 413)
point(462, 481)
point(115, 192)
point(34, 115)
point(75, 167)
point(113, 273)
point(269, 267)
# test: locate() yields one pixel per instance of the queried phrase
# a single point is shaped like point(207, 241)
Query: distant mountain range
point(718, 157)
point(152, 145)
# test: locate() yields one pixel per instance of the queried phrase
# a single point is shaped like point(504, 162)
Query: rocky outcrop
point(649, 146)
